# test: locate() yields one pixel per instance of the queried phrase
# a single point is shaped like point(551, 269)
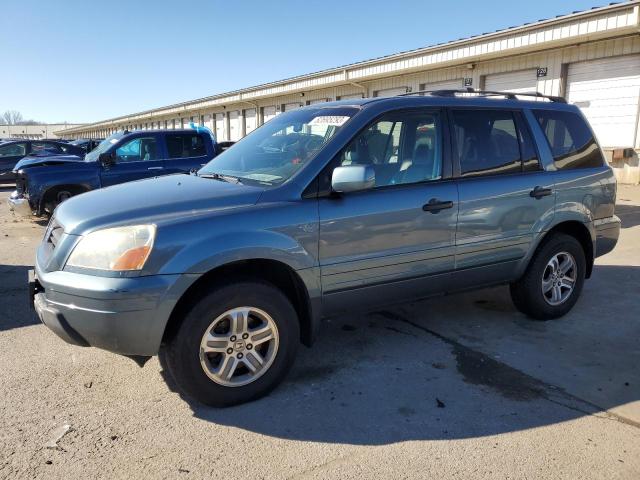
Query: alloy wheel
point(559, 278)
point(239, 346)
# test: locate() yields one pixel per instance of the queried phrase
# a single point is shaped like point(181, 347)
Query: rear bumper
point(19, 204)
point(607, 233)
point(122, 315)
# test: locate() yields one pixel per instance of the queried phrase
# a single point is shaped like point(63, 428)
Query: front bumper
point(19, 204)
point(607, 233)
point(123, 315)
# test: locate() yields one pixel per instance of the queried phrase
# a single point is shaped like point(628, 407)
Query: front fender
point(286, 232)
point(40, 180)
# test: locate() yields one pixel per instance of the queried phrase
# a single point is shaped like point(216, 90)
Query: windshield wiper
point(221, 177)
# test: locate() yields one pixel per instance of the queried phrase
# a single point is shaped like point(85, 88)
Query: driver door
point(396, 240)
point(140, 157)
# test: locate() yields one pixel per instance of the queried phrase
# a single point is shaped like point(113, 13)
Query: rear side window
point(13, 150)
point(571, 141)
point(486, 142)
point(37, 147)
point(185, 146)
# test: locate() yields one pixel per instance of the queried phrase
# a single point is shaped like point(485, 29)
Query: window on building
point(138, 149)
point(402, 148)
point(571, 141)
point(185, 146)
point(486, 142)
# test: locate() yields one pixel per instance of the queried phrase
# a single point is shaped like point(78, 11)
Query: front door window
point(138, 150)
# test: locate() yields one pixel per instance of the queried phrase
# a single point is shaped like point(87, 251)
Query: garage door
point(352, 96)
point(268, 113)
point(390, 92)
point(234, 126)
point(446, 85)
point(521, 81)
point(208, 122)
point(291, 106)
point(250, 120)
point(220, 130)
point(608, 91)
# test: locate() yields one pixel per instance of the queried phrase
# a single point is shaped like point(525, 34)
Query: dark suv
point(324, 209)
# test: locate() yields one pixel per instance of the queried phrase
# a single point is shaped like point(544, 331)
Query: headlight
point(114, 249)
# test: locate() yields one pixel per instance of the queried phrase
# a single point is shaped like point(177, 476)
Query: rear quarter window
point(185, 145)
point(571, 141)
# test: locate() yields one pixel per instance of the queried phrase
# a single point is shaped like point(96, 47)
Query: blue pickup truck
point(43, 183)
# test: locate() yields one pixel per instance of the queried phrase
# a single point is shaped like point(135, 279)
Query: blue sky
point(83, 61)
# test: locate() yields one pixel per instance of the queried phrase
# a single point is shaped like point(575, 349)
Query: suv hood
point(151, 201)
point(37, 160)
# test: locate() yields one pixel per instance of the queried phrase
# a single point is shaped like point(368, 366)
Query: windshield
point(103, 146)
point(276, 151)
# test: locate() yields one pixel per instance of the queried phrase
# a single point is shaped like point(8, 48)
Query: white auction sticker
point(331, 120)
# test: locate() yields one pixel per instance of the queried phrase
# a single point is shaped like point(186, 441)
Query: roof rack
point(485, 93)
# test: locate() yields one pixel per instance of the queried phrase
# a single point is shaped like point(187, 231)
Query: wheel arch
point(74, 188)
point(275, 272)
point(577, 230)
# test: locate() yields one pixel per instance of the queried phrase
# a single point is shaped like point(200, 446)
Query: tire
point(528, 293)
point(56, 199)
point(205, 376)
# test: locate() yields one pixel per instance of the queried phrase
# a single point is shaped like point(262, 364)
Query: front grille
point(53, 233)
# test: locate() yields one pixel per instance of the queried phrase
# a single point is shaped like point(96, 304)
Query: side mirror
point(107, 159)
point(353, 178)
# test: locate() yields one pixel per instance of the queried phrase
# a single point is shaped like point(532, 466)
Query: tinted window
point(530, 161)
point(486, 142)
point(570, 139)
point(185, 146)
point(401, 148)
point(138, 149)
point(12, 150)
point(38, 147)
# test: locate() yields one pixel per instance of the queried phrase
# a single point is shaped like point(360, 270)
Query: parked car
point(42, 184)
point(326, 209)
point(87, 144)
point(13, 151)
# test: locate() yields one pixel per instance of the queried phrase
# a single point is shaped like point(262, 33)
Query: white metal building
point(35, 131)
point(591, 57)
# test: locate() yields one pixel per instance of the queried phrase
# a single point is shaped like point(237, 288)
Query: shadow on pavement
point(458, 366)
point(629, 214)
point(14, 301)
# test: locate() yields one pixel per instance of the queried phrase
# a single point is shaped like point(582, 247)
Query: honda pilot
point(325, 209)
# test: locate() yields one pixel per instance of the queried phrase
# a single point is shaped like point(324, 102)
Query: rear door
point(137, 158)
point(10, 154)
point(505, 195)
point(395, 240)
point(186, 151)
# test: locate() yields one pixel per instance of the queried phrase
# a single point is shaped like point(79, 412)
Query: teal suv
point(329, 208)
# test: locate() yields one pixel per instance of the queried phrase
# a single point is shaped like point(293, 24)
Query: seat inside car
point(420, 167)
point(149, 150)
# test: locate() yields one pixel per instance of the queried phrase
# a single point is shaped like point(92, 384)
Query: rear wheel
point(235, 345)
point(554, 278)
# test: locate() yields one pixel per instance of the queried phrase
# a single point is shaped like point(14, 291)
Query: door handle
point(539, 192)
point(155, 168)
point(435, 205)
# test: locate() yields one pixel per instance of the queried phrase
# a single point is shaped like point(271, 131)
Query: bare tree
point(12, 117)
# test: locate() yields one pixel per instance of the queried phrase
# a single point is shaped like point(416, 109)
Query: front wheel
point(235, 345)
point(554, 278)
